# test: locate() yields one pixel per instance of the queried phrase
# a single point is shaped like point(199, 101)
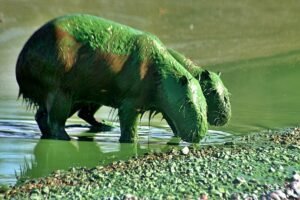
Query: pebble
point(281, 194)
point(185, 150)
point(129, 197)
point(296, 177)
point(45, 190)
point(235, 197)
point(239, 181)
point(290, 193)
point(263, 197)
point(274, 196)
point(203, 197)
point(296, 187)
point(272, 170)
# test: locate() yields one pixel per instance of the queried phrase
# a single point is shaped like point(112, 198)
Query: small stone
point(272, 170)
point(281, 194)
point(129, 197)
point(274, 196)
point(191, 27)
point(34, 191)
point(296, 177)
point(254, 197)
point(239, 181)
point(203, 197)
point(295, 185)
point(174, 152)
point(45, 190)
point(35, 197)
point(263, 197)
point(291, 193)
point(235, 197)
point(185, 150)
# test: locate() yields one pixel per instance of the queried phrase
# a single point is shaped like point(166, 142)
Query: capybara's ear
point(183, 80)
point(205, 75)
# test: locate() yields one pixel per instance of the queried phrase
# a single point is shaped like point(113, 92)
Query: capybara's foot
point(102, 126)
point(63, 136)
point(127, 139)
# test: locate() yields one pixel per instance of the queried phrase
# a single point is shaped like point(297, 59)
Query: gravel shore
point(258, 166)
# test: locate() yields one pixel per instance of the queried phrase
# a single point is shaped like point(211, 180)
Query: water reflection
point(24, 154)
point(52, 155)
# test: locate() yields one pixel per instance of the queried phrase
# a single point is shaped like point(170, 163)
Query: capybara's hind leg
point(41, 117)
point(87, 113)
point(58, 106)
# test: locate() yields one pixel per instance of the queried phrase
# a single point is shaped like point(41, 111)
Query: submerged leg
point(58, 106)
point(128, 117)
point(87, 113)
point(41, 117)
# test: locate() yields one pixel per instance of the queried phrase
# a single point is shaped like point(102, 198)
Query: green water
point(254, 44)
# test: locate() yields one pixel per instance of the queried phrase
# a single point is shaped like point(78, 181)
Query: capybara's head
point(217, 98)
point(181, 101)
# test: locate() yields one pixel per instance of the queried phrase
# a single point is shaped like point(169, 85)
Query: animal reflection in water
point(52, 155)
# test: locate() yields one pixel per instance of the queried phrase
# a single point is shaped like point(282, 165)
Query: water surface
point(254, 44)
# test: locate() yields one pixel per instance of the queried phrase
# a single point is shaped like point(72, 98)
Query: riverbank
point(252, 167)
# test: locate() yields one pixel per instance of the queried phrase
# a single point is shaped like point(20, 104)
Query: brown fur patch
point(144, 69)
point(67, 48)
point(115, 62)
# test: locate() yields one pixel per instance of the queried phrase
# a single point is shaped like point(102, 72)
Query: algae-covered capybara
point(215, 93)
point(80, 59)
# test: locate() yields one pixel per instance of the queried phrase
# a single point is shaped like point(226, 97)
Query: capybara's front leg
point(171, 124)
point(128, 117)
point(58, 106)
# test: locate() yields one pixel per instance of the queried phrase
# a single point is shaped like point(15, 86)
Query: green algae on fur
point(81, 59)
point(216, 94)
point(103, 34)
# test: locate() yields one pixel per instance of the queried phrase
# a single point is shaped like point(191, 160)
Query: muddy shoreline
point(257, 166)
